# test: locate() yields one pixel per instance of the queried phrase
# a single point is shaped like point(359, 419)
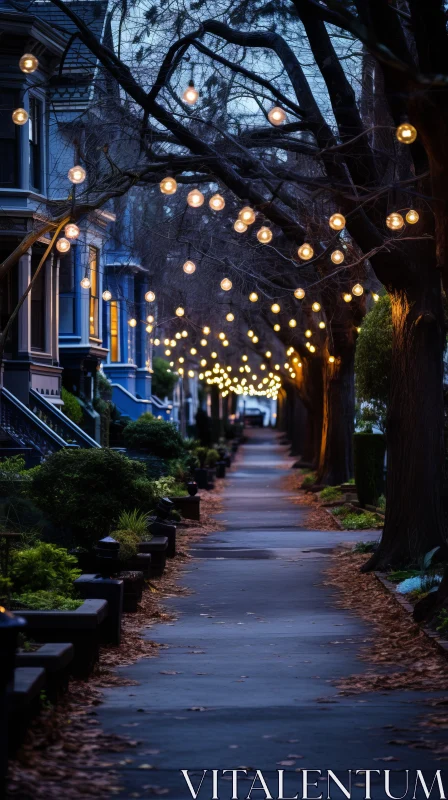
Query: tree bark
point(336, 451)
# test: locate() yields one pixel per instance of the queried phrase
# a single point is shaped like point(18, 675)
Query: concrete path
point(247, 678)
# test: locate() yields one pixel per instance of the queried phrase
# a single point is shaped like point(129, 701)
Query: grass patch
point(364, 547)
point(354, 520)
point(309, 480)
point(402, 575)
point(330, 494)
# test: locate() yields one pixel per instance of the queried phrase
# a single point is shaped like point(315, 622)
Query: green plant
point(163, 378)
point(330, 494)
point(135, 521)
point(158, 437)
point(309, 480)
point(71, 407)
point(46, 600)
point(128, 543)
point(5, 586)
point(212, 458)
point(369, 450)
point(381, 502)
point(354, 520)
point(166, 487)
point(44, 567)
point(364, 547)
point(84, 491)
point(402, 575)
point(373, 360)
point(12, 465)
point(201, 454)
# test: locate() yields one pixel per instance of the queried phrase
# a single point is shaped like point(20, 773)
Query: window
point(9, 141)
point(34, 127)
point(67, 293)
point(94, 304)
point(38, 306)
point(114, 332)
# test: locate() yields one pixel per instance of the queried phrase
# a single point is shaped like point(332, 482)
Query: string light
point(226, 284)
point(347, 297)
point(375, 296)
point(395, 221)
point(276, 327)
point(316, 306)
point(357, 290)
point(189, 267)
point(180, 311)
point(217, 202)
point(253, 297)
point(406, 133)
point(206, 330)
point(203, 342)
point(250, 334)
point(275, 308)
point(149, 329)
point(195, 198)
point(71, 231)
point(150, 296)
point(305, 252)
point(190, 373)
point(190, 95)
point(239, 226)
point(28, 63)
point(244, 358)
point(20, 116)
point(337, 256)
point(150, 318)
point(184, 334)
point(331, 359)
point(221, 336)
point(107, 295)
point(292, 323)
point(226, 342)
point(63, 245)
point(230, 317)
point(308, 333)
point(85, 282)
point(255, 339)
point(76, 174)
point(247, 215)
point(312, 348)
point(268, 354)
point(203, 362)
point(168, 185)
point(321, 324)
point(299, 294)
point(412, 216)
point(277, 115)
point(264, 235)
point(193, 351)
point(337, 222)
point(132, 322)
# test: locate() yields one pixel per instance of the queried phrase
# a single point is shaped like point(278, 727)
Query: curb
point(433, 636)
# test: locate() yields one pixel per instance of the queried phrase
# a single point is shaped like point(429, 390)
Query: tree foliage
point(163, 379)
point(373, 359)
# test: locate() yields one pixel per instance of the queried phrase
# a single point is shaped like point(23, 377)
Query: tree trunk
point(415, 520)
point(336, 451)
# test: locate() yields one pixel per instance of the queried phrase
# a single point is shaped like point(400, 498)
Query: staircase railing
point(26, 428)
point(58, 422)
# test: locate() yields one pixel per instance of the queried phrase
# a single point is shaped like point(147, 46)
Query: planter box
point(55, 659)
point(189, 507)
point(161, 528)
point(157, 547)
point(91, 587)
point(201, 478)
point(26, 700)
point(81, 627)
point(132, 588)
point(142, 562)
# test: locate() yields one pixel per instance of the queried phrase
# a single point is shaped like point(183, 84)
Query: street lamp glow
point(76, 174)
point(337, 222)
point(195, 198)
point(168, 185)
point(305, 251)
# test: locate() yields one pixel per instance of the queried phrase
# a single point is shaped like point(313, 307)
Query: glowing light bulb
point(299, 294)
point(321, 324)
point(76, 174)
point(180, 311)
point(85, 282)
point(190, 95)
point(226, 284)
point(239, 226)
point(250, 334)
point(193, 351)
point(132, 322)
point(276, 116)
point(189, 267)
point(268, 354)
point(337, 256)
point(375, 296)
point(247, 215)
point(312, 348)
point(221, 335)
point(337, 222)
point(217, 202)
point(406, 133)
point(168, 185)
point(150, 318)
point(395, 221)
point(253, 297)
point(264, 235)
point(148, 329)
point(195, 198)
point(190, 373)
point(28, 63)
point(412, 216)
point(150, 297)
point(292, 323)
point(275, 308)
point(71, 231)
point(63, 245)
point(107, 295)
point(230, 317)
point(316, 306)
point(276, 327)
point(308, 333)
point(357, 290)
point(255, 339)
point(347, 297)
point(243, 358)
point(19, 116)
point(305, 252)
point(331, 359)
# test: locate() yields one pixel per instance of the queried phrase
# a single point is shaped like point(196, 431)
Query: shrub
point(44, 567)
point(46, 600)
point(135, 521)
point(163, 379)
point(128, 543)
point(309, 480)
point(71, 407)
point(85, 491)
point(212, 458)
point(373, 359)
point(158, 437)
point(201, 454)
point(330, 493)
point(155, 466)
point(165, 487)
point(369, 450)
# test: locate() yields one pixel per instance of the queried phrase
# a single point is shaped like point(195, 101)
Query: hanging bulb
point(217, 202)
point(226, 284)
point(305, 252)
point(412, 216)
point(406, 133)
point(221, 335)
point(299, 294)
point(206, 330)
point(321, 324)
point(150, 297)
point(230, 317)
point(71, 231)
point(292, 323)
point(275, 308)
point(190, 95)
point(357, 290)
point(316, 306)
point(76, 174)
point(107, 295)
point(375, 296)
point(264, 235)
point(253, 297)
point(195, 198)
point(184, 334)
point(28, 63)
point(276, 327)
point(168, 185)
point(331, 359)
point(337, 256)
point(247, 215)
point(149, 329)
point(308, 333)
point(337, 222)
point(150, 318)
point(239, 226)
point(189, 267)
point(312, 348)
point(63, 245)
point(250, 334)
point(347, 297)
point(395, 221)
point(180, 311)
point(277, 115)
point(85, 282)
point(20, 116)
point(132, 322)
